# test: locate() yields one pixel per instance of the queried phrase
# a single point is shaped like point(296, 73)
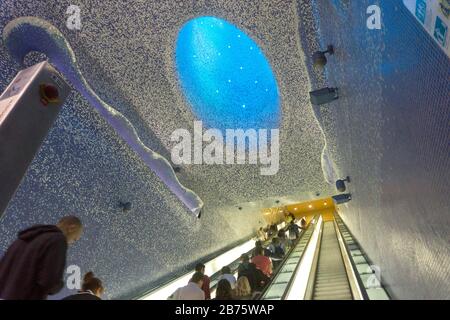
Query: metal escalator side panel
point(349, 266)
point(369, 283)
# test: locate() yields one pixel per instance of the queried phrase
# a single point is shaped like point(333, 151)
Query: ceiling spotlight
point(319, 58)
point(340, 184)
point(295, 209)
point(310, 206)
point(324, 203)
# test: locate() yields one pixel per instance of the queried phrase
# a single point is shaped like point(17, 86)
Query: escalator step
point(334, 292)
point(326, 281)
point(343, 297)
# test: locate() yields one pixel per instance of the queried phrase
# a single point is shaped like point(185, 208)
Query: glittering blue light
point(225, 77)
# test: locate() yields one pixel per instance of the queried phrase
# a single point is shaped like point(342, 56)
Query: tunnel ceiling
point(130, 50)
point(126, 51)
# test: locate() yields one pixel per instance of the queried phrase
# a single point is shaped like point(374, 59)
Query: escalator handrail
point(316, 219)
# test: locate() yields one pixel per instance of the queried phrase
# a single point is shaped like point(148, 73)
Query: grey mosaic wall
point(390, 132)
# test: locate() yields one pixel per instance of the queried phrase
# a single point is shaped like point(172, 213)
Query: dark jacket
point(82, 296)
point(295, 229)
point(255, 277)
point(33, 266)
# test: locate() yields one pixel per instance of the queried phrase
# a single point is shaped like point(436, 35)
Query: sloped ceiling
point(126, 52)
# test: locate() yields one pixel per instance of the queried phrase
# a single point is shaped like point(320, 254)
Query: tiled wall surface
point(390, 132)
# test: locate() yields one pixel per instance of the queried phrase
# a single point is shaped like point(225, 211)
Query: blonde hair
point(243, 288)
point(70, 221)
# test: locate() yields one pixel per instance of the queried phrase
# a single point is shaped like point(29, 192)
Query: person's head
point(224, 291)
point(93, 284)
point(71, 227)
point(258, 244)
point(243, 288)
point(200, 267)
point(226, 270)
point(259, 251)
point(245, 258)
point(275, 240)
point(197, 278)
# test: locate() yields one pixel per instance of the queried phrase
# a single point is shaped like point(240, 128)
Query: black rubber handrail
point(299, 261)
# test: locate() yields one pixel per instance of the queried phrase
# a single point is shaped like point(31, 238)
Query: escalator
point(320, 267)
point(331, 281)
point(326, 263)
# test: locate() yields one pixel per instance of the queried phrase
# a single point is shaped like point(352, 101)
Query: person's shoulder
point(82, 296)
point(232, 278)
point(56, 237)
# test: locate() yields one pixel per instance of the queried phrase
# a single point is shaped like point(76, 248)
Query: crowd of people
point(33, 266)
point(254, 271)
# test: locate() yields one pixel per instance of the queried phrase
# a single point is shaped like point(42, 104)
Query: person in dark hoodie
point(33, 266)
point(92, 289)
point(255, 277)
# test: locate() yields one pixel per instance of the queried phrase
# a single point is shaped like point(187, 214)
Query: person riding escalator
point(256, 278)
point(277, 252)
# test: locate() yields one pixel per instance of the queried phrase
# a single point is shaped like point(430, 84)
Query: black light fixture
point(342, 198)
point(126, 206)
point(277, 201)
point(320, 58)
point(340, 184)
point(324, 95)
